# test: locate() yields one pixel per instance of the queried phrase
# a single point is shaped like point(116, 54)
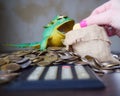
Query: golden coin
point(54, 48)
point(43, 63)
point(81, 63)
point(35, 60)
point(89, 58)
point(51, 58)
point(11, 67)
point(38, 59)
point(31, 56)
point(13, 58)
point(7, 77)
point(2, 61)
point(20, 53)
point(108, 64)
point(3, 55)
point(42, 53)
point(59, 60)
point(35, 50)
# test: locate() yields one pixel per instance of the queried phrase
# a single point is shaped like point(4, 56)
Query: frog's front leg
point(44, 43)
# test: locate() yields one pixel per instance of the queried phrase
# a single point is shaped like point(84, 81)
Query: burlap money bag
point(92, 41)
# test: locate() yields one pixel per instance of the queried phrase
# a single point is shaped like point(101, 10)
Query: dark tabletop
point(111, 81)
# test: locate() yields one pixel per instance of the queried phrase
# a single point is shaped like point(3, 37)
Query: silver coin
point(25, 59)
point(26, 64)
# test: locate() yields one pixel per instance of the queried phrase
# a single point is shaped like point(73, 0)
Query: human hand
point(107, 15)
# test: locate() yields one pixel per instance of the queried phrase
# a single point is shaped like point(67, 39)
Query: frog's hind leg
point(24, 45)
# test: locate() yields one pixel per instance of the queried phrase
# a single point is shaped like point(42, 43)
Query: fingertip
point(83, 23)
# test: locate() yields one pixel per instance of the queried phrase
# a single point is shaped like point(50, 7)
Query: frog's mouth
point(63, 28)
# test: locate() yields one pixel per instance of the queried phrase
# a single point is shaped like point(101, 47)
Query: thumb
point(99, 19)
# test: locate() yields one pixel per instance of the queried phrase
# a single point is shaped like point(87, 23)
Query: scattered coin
point(2, 61)
point(25, 59)
point(31, 56)
point(50, 58)
point(42, 53)
point(12, 58)
point(43, 63)
point(108, 64)
point(11, 67)
point(3, 55)
point(54, 48)
point(40, 58)
point(7, 77)
point(26, 64)
point(12, 62)
point(81, 63)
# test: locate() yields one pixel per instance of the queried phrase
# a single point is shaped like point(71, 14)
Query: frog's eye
point(45, 26)
point(51, 23)
point(65, 16)
point(60, 17)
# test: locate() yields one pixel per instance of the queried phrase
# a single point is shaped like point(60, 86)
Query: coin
point(21, 53)
point(51, 58)
point(89, 58)
point(54, 48)
point(107, 71)
point(108, 64)
point(117, 70)
point(13, 58)
point(31, 56)
point(59, 60)
point(66, 57)
point(40, 58)
point(47, 59)
point(5, 60)
point(2, 61)
point(25, 59)
point(43, 63)
point(34, 51)
point(97, 70)
point(81, 63)
point(11, 67)
point(42, 52)
point(26, 64)
point(3, 55)
point(7, 77)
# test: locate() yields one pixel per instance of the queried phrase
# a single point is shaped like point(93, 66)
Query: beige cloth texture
point(92, 41)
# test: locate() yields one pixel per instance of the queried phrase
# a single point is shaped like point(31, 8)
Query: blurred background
point(22, 21)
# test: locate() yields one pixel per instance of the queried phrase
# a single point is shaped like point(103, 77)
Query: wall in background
point(22, 21)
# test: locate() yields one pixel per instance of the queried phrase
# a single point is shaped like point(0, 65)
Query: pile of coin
point(11, 64)
point(102, 68)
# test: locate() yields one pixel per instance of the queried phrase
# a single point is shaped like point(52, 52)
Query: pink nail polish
point(83, 23)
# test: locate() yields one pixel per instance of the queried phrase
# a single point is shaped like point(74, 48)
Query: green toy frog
point(53, 34)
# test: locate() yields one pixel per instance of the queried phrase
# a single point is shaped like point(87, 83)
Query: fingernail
point(83, 23)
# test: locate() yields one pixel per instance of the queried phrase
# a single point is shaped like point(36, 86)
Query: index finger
point(102, 8)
